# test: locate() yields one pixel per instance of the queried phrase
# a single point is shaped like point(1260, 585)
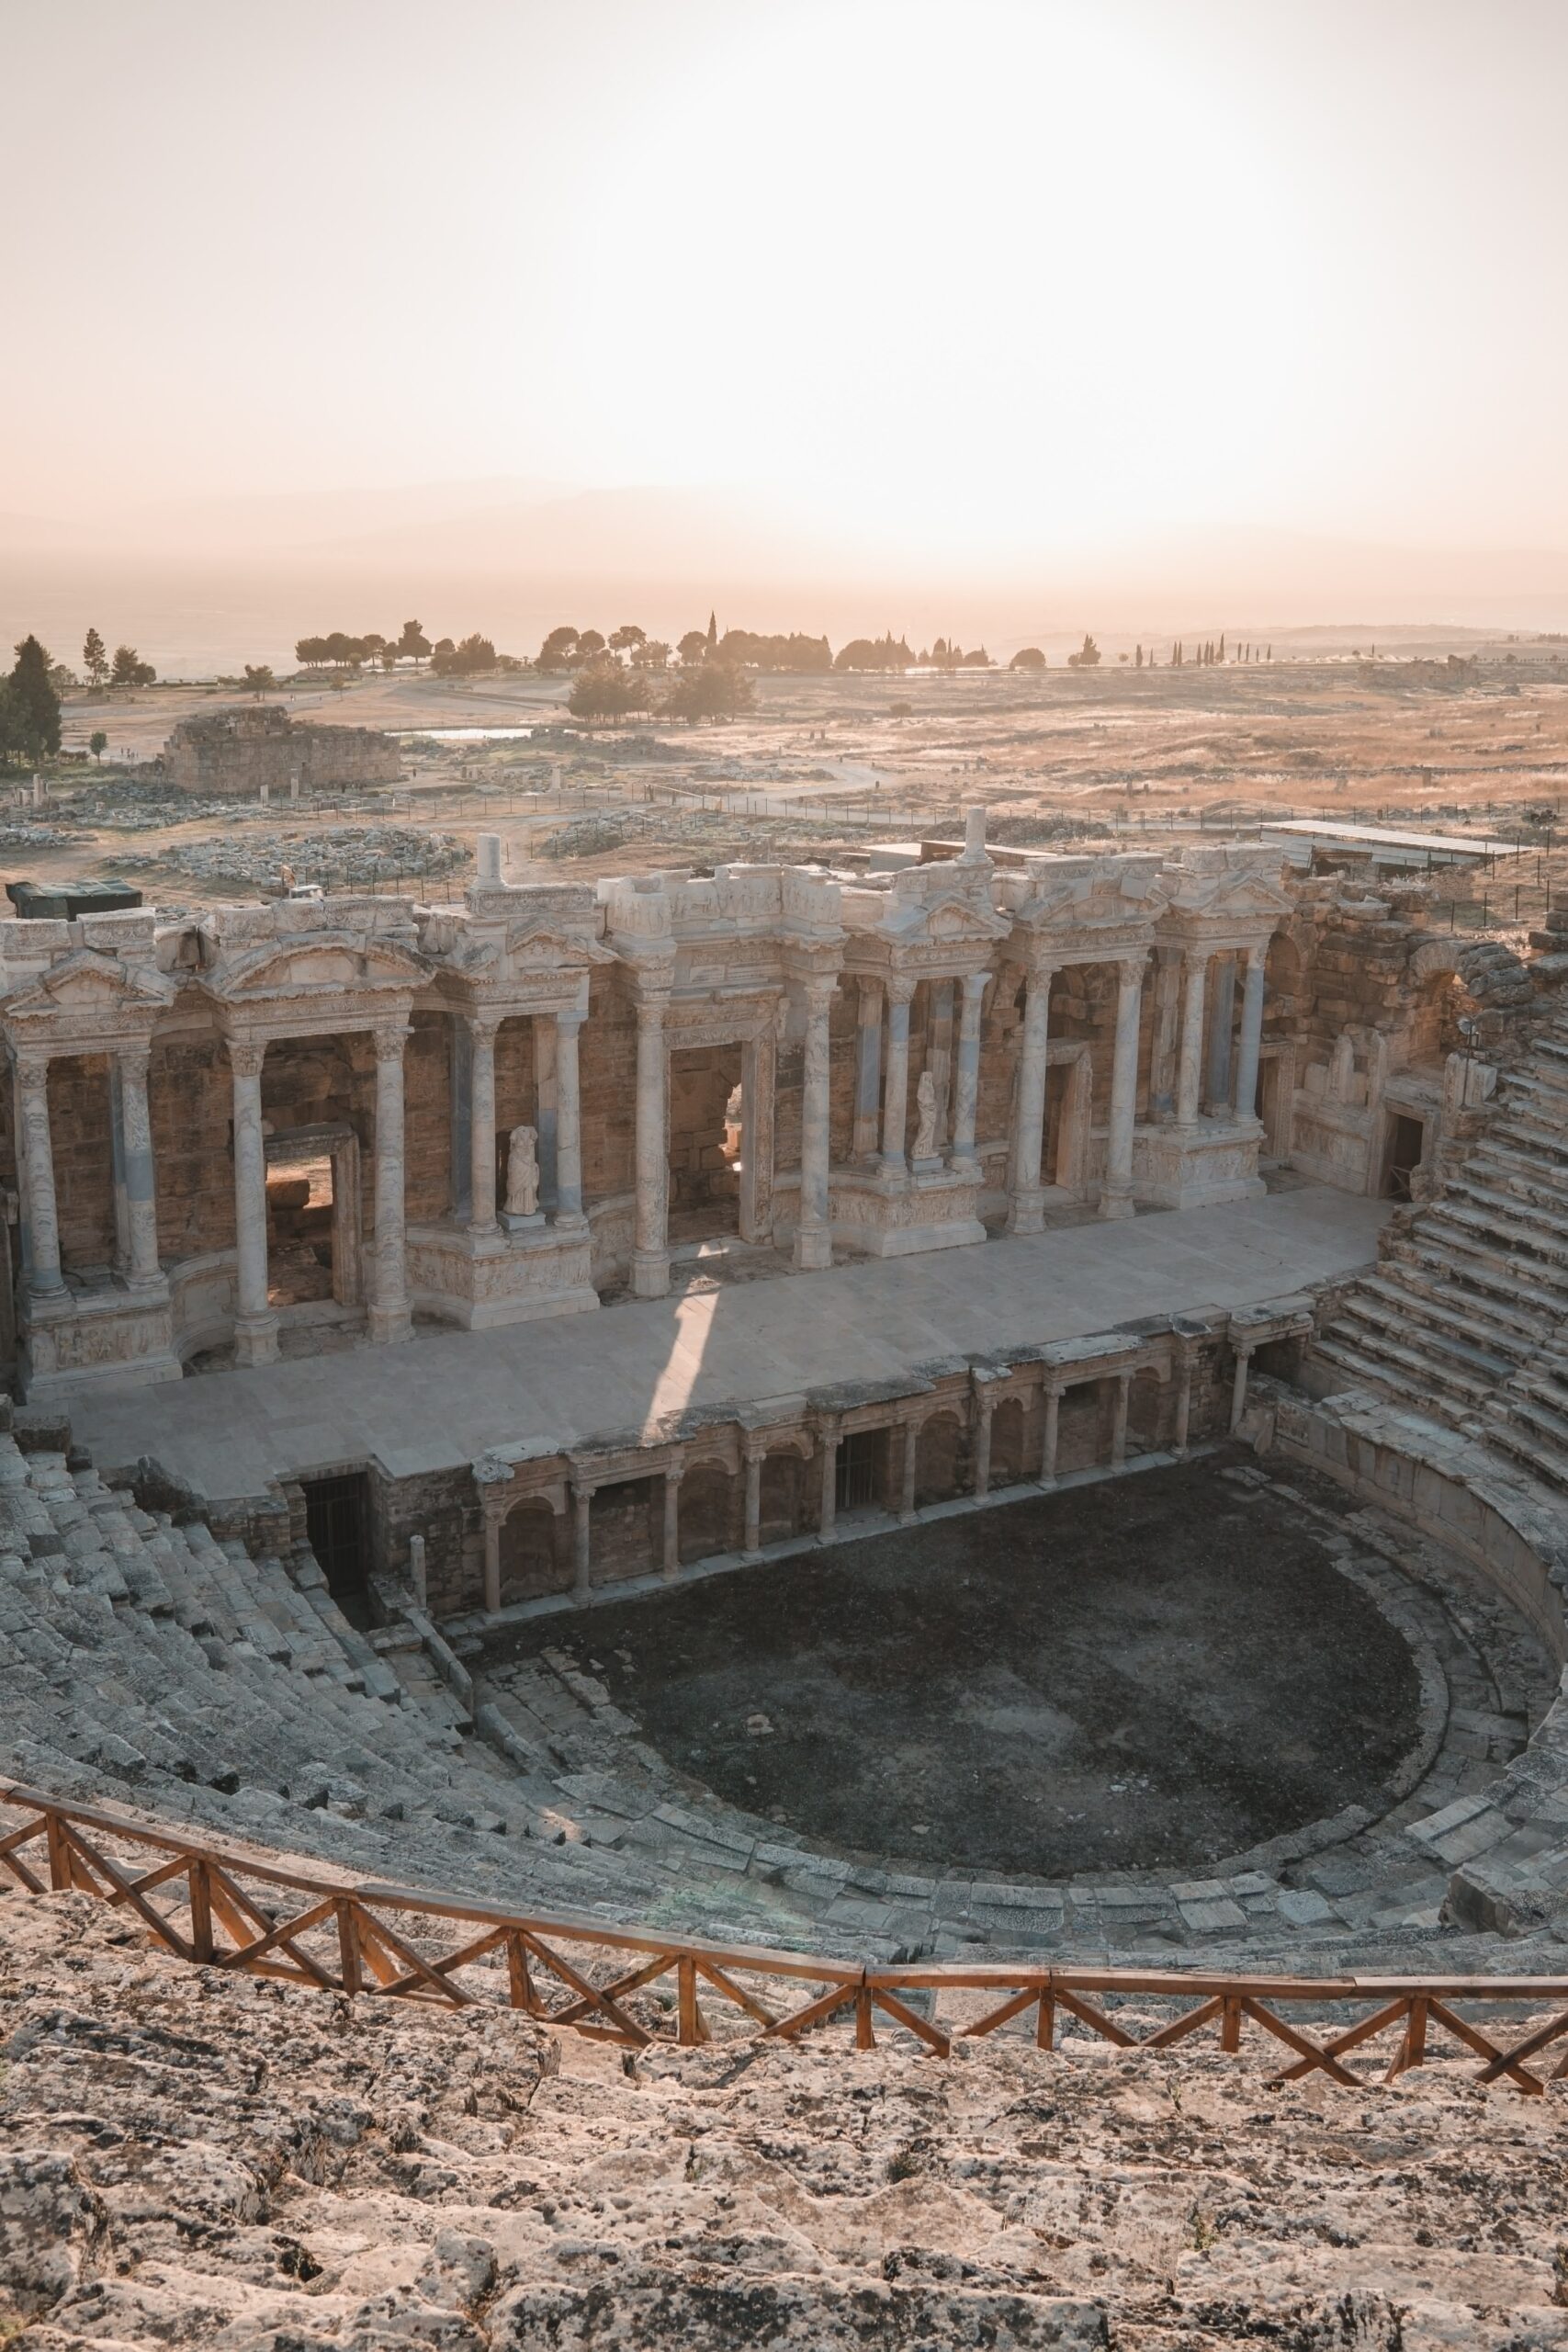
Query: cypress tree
point(33, 707)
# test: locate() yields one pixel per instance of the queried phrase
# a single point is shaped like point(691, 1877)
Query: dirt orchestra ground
point(1157, 1670)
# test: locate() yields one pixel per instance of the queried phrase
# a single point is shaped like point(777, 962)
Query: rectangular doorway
point(300, 1228)
point(859, 1473)
point(706, 1142)
point(337, 1522)
point(1406, 1142)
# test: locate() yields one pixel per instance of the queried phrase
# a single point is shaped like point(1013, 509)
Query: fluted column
point(255, 1324)
point(896, 1084)
point(967, 1088)
point(1116, 1195)
point(1251, 1035)
point(650, 1252)
point(755, 1455)
point(389, 1319)
point(868, 1067)
point(136, 1144)
point(568, 1123)
point(1222, 1012)
point(813, 1234)
point(44, 1277)
point(481, 1124)
point(1026, 1205)
point(1195, 968)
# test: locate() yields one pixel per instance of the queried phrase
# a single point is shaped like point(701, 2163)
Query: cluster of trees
point(127, 669)
point(30, 706)
point(340, 652)
point(608, 689)
point(1213, 650)
point(948, 654)
point(874, 653)
point(1087, 657)
point(581, 649)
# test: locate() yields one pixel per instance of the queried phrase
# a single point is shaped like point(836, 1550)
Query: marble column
point(895, 1085)
point(481, 1124)
point(136, 1158)
point(1163, 1045)
point(1119, 1421)
point(1195, 966)
point(906, 1481)
point(1026, 1205)
point(1221, 1014)
point(669, 1560)
point(650, 1252)
point(813, 1234)
point(582, 1565)
point(985, 1405)
point(1053, 1432)
point(1183, 1402)
point(1251, 1035)
point(44, 1277)
point(828, 1510)
point(255, 1324)
point(569, 1215)
point(1238, 1384)
point(868, 1067)
point(1116, 1195)
point(492, 1518)
point(389, 1318)
point(753, 1537)
point(967, 1088)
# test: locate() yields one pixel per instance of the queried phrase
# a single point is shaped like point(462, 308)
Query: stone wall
point(224, 753)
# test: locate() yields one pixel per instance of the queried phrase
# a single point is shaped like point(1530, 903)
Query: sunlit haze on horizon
point(890, 291)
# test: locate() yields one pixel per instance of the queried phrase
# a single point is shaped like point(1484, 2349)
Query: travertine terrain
point(190, 2159)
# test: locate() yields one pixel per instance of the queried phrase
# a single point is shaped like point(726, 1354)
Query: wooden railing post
point(200, 1883)
point(59, 1852)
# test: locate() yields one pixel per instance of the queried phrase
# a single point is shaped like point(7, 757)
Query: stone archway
point(532, 1559)
point(941, 1459)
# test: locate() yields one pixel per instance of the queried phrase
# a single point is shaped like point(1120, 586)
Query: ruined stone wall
point(191, 1097)
point(607, 1068)
point(81, 1128)
point(234, 753)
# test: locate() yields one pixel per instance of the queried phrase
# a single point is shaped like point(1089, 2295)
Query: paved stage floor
point(451, 1395)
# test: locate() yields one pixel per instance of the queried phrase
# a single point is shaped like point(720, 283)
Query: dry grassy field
point(824, 764)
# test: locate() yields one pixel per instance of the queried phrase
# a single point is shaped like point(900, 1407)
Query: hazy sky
point(983, 277)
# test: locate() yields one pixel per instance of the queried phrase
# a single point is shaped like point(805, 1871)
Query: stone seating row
point(1464, 1314)
point(143, 1661)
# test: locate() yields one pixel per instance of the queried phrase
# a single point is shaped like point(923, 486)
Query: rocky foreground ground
point(191, 2159)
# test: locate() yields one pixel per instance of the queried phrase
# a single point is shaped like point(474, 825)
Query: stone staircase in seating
point(1467, 1315)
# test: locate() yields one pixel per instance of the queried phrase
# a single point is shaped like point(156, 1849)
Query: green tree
point(33, 705)
point(94, 659)
point(414, 642)
point(1087, 657)
point(558, 649)
point(693, 647)
point(714, 691)
point(590, 645)
point(260, 678)
point(604, 690)
point(129, 670)
point(713, 633)
point(1027, 657)
point(97, 743)
point(628, 638)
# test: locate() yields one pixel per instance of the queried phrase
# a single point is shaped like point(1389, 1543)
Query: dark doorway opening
point(1405, 1142)
point(858, 1473)
point(336, 1520)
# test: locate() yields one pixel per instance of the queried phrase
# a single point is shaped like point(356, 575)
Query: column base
point(650, 1274)
point(813, 1248)
point(1026, 1213)
point(1117, 1202)
point(388, 1325)
point(255, 1339)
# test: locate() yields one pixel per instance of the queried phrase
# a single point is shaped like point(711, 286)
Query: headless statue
point(925, 1129)
point(521, 1172)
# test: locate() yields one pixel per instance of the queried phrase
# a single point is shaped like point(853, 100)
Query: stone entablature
point(897, 1057)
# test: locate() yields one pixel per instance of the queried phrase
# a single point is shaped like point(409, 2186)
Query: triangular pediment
point(89, 982)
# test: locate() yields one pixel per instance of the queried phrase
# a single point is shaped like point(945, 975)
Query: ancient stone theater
point(997, 1403)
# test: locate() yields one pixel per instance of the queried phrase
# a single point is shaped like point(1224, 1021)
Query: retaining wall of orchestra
point(1507, 1846)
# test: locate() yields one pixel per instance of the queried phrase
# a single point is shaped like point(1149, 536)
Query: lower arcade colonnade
point(500, 1081)
point(574, 1524)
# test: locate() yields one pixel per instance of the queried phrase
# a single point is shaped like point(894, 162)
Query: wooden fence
point(217, 1907)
